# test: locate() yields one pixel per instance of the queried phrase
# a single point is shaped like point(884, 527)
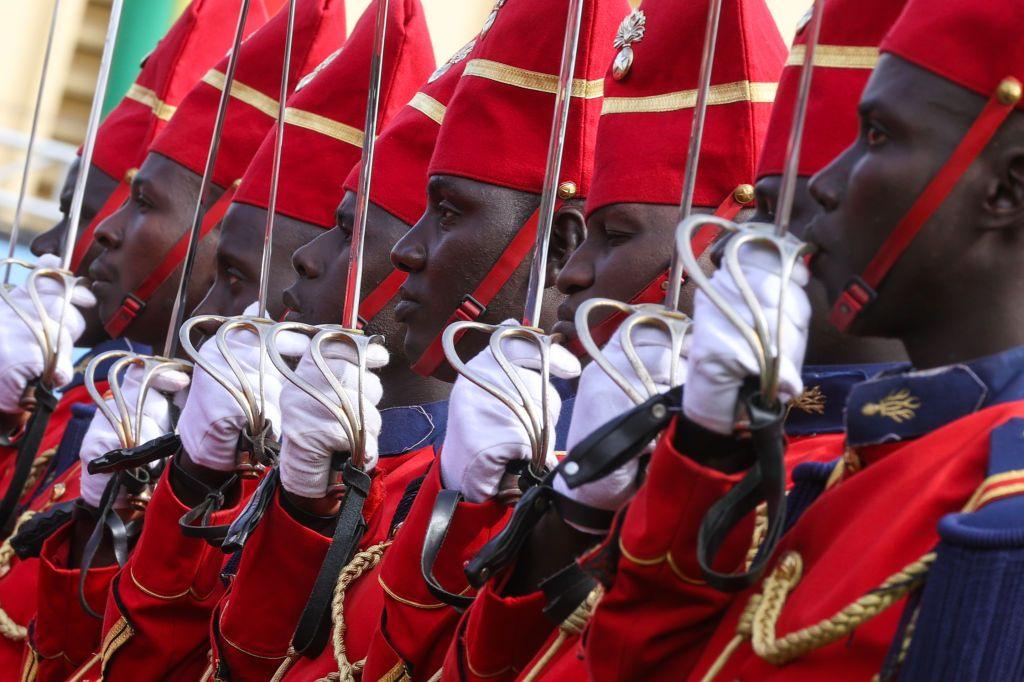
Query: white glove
point(212, 419)
point(599, 400)
point(311, 432)
point(101, 437)
point(21, 358)
point(483, 435)
point(720, 359)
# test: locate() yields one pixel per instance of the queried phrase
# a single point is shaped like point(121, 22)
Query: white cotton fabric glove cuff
point(101, 437)
point(21, 358)
point(483, 435)
point(312, 433)
point(720, 358)
point(212, 420)
point(599, 400)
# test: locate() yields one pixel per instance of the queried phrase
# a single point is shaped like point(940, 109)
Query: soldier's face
point(317, 294)
point(98, 187)
point(136, 239)
point(447, 253)
point(239, 259)
point(911, 121)
point(627, 246)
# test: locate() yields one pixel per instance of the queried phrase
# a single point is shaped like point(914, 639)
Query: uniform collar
point(409, 427)
point(907, 404)
point(819, 409)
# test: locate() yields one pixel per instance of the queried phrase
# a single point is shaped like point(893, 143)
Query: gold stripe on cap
point(243, 93)
point(836, 56)
point(148, 98)
point(530, 80)
point(726, 93)
point(429, 106)
point(324, 126)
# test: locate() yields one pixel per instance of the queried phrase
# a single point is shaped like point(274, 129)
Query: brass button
point(58, 491)
point(1009, 91)
point(567, 190)
point(743, 194)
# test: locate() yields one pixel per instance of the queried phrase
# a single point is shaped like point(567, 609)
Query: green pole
point(143, 24)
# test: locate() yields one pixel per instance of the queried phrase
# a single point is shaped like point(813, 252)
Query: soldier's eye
point(875, 135)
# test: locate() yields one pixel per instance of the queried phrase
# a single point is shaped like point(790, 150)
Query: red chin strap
point(375, 301)
point(654, 292)
point(113, 202)
point(475, 304)
point(135, 302)
point(862, 290)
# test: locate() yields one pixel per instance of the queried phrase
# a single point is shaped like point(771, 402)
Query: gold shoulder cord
point(361, 563)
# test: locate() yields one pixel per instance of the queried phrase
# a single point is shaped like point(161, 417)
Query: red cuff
point(166, 562)
point(279, 564)
point(500, 635)
point(62, 626)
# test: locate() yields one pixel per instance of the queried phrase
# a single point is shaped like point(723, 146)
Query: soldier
point(843, 595)
point(632, 213)
point(191, 46)
point(140, 232)
point(467, 254)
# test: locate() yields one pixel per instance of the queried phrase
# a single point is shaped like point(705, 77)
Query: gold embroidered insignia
point(491, 17)
point(811, 401)
point(308, 78)
point(631, 30)
point(456, 58)
point(898, 406)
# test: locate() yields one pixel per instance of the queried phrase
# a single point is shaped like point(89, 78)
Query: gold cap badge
point(631, 30)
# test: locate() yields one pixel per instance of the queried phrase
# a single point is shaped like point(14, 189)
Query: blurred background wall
point(75, 60)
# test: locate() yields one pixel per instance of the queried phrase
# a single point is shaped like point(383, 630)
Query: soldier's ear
point(567, 234)
point(1004, 196)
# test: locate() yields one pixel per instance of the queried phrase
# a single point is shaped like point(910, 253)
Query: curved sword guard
point(125, 418)
point(350, 417)
point(518, 401)
point(758, 335)
point(675, 324)
point(46, 335)
point(252, 460)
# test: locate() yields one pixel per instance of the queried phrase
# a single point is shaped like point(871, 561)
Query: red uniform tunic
point(253, 626)
point(924, 451)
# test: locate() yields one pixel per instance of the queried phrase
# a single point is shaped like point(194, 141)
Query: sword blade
point(106, 61)
point(787, 191)
point(178, 312)
point(33, 133)
point(553, 169)
point(707, 61)
point(275, 173)
point(350, 308)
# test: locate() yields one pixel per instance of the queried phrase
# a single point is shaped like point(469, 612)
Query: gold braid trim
point(361, 563)
point(8, 627)
point(578, 619)
point(767, 608)
point(39, 465)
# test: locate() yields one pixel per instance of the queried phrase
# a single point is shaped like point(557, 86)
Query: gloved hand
point(311, 432)
point(483, 434)
point(101, 437)
point(212, 419)
point(720, 359)
point(21, 358)
point(599, 400)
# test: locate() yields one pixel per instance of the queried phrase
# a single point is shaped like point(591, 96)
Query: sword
point(40, 394)
point(667, 316)
point(33, 133)
point(178, 311)
point(251, 399)
point(764, 414)
point(537, 425)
